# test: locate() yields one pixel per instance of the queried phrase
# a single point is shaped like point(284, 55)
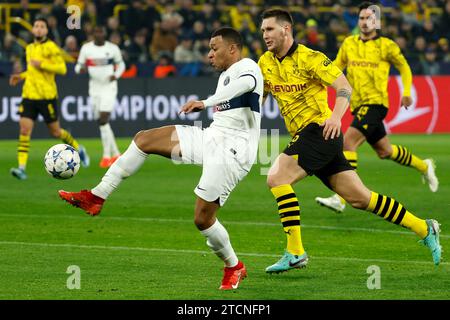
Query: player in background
point(368, 57)
point(226, 149)
point(40, 95)
point(103, 61)
point(297, 77)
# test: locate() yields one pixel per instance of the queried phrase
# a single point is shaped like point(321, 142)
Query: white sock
point(127, 164)
point(218, 240)
point(112, 143)
point(105, 136)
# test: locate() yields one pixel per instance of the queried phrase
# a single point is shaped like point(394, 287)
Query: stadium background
point(133, 250)
point(169, 39)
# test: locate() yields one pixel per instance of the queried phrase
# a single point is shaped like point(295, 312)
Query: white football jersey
point(101, 62)
point(241, 114)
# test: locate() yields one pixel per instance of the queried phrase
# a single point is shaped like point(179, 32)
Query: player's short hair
point(41, 19)
point(231, 35)
point(279, 14)
point(365, 5)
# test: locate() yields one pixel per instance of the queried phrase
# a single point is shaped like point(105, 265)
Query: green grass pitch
point(144, 245)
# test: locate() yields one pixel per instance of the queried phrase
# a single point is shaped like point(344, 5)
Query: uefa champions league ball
point(62, 161)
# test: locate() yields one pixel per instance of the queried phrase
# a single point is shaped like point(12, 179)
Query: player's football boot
point(113, 159)
point(334, 203)
point(432, 240)
point(287, 262)
point(233, 276)
point(84, 157)
point(430, 176)
point(84, 200)
point(105, 162)
point(18, 173)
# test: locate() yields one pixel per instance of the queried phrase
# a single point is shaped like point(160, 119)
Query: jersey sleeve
point(396, 57)
point(341, 58)
point(81, 62)
point(322, 69)
point(266, 86)
point(56, 63)
point(118, 61)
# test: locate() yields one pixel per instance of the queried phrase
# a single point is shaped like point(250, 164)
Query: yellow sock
point(352, 158)
point(66, 137)
point(405, 157)
point(23, 150)
point(289, 211)
point(393, 211)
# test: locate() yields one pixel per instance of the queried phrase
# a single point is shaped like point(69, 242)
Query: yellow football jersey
point(40, 83)
point(368, 64)
point(299, 85)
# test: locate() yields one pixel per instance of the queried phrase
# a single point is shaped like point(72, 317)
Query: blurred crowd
point(167, 38)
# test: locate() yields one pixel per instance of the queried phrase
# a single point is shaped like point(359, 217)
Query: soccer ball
point(62, 161)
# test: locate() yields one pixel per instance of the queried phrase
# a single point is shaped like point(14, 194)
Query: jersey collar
point(374, 38)
point(289, 53)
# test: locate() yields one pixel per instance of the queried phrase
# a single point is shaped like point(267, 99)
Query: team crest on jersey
point(226, 81)
point(326, 62)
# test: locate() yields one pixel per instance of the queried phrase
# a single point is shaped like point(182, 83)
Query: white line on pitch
point(248, 223)
point(178, 251)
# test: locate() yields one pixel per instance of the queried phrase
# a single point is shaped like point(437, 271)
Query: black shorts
point(32, 108)
point(318, 156)
point(369, 120)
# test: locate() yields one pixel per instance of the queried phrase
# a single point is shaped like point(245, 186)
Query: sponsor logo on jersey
point(286, 87)
point(363, 64)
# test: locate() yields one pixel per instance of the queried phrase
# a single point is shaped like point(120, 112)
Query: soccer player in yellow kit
point(368, 58)
point(297, 77)
point(39, 95)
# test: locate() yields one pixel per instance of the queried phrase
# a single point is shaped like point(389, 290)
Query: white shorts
point(224, 158)
point(102, 102)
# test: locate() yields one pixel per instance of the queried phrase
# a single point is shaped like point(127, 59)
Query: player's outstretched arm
point(332, 126)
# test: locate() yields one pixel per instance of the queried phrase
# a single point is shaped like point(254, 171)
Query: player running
point(226, 150)
point(40, 95)
point(297, 77)
point(368, 57)
point(103, 61)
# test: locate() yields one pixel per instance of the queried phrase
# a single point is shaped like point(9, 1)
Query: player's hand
point(14, 79)
point(36, 63)
point(192, 106)
point(406, 102)
point(112, 78)
point(332, 128)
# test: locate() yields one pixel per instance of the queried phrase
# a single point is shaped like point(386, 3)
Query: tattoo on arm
point(344, 93)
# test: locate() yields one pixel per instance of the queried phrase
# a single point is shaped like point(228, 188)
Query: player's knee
point(357, 202)
point(203, 219)
point(102, 122)
point(272, 181)
point(383, 154)
point(55, 133)
point(139, 139)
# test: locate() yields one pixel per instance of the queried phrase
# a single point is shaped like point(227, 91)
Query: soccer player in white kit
point(226, 149)
point(103, 61)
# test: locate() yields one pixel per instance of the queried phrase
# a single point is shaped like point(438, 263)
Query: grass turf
point(144, 245)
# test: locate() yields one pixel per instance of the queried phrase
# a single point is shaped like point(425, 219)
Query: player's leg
point(349, 186)
point(401, 155)
point(353, 138)
point(282, 175)
point(162, 141)
point(104, 104)
point(106, 136)
point(25, 129)
point(302, 156)
point(218, 240)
